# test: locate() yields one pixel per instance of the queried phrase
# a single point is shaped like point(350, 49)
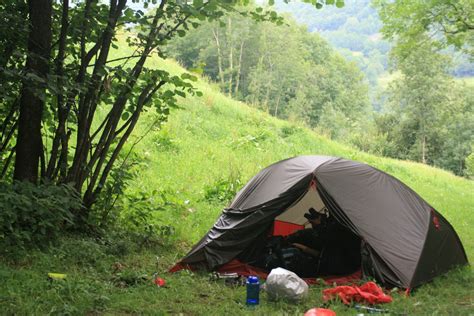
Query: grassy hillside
point(186, 171)
point(214, 138)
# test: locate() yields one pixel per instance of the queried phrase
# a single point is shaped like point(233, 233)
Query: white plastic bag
point(285, 284)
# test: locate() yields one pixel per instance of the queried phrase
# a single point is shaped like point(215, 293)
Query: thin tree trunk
point(423, 150)
point(88, 103)
point(29, 144)
point(5, 142)
point(277, 103)
point(215, 32)
point(9, 125)
point(230, 41)
point(267, 93)
point(257, 83)
point(145, 97)
point(60, 133)
point(99, 155)
point(239, 68)
point(7, 163)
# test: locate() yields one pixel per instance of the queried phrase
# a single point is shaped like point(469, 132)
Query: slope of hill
point(213, 145)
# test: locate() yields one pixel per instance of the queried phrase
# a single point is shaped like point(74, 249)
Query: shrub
point(107, 209)
point(139, 215)
point(223, 190)
point(289, 130)
point(132, 212)
point(34, 215)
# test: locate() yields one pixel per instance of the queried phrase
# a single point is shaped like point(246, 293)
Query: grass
point(468, 81)
point(213, 140)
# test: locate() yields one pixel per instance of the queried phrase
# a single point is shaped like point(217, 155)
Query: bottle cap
point(252, 279)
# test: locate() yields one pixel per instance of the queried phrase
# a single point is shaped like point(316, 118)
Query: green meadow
point(183, 174)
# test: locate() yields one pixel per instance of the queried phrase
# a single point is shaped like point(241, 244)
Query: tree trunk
point(29, 144)
point(60, 133)
point(239, 68)
point(267, 93)
point(215, 32)
point(277, 102)
point(230, 41)
point(423, 150)
point(88, 104)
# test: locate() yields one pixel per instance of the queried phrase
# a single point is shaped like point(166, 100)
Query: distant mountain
point(355, 31)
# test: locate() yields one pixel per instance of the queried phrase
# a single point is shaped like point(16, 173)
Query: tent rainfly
point(405, 242)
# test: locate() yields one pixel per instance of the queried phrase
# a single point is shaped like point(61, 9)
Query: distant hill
point(354, 31)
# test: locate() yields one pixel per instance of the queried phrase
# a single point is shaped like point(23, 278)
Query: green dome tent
point(404, 241)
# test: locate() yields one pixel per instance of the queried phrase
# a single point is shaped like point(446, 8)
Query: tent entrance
point(340, 252)
point(292, 219)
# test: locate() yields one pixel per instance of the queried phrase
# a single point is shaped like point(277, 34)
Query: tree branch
point(143, 99)
point(7, 162)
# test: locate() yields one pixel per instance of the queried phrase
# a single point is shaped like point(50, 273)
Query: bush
point(108, 206)
point(223, 190)
point(34, 215)
point(139, 218)
point(132, 213)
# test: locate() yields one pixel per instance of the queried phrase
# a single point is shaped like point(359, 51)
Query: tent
point(405, 242)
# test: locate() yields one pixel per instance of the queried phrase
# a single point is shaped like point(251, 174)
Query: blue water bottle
point(253, 290)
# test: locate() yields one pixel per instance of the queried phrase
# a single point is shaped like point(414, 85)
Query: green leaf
point(187, 76)
point(197, 70)
point(168, 94)
point(125, 115)
point(180, 93)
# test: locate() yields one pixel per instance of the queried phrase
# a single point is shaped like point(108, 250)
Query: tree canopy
point(68, 105)
point(446, 22)
point(284, 70)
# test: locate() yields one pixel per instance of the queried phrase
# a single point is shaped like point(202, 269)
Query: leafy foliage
point(34, 216)
point(61, 88)
point(470, 165)
point(223, 190)
point(139, 215)
point(447, 22)
point(282, 70)
point(428, 116)
point(352, 30)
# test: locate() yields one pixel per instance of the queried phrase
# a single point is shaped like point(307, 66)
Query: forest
point(270, 67)
point(128, 126)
